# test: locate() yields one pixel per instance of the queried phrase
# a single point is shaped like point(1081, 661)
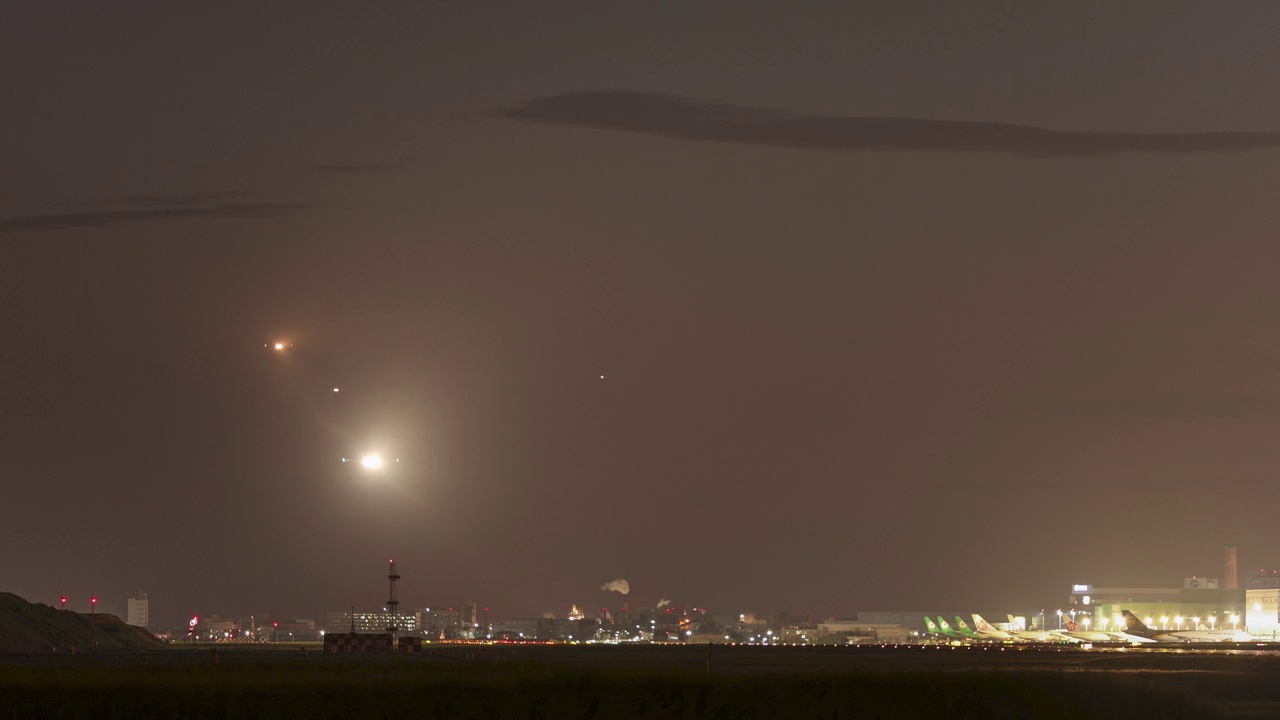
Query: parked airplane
point(1137, 628)
point(961, 630)
point(1034, 635)
point(943, 632)
point(986, 630)
point(930, 627)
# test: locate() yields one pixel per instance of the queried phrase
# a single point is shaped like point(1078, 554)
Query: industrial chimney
point(1229, 581)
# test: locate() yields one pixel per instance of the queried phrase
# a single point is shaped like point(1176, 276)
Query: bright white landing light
point(371, 462)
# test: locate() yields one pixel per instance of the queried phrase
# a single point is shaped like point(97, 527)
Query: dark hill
point(34, 628)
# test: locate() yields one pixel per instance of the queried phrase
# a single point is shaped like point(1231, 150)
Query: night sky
point(898, 305)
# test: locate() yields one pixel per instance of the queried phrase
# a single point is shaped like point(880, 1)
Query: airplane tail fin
point(961, 624)
point(1133, 624)
point(943, 624)
point(929, 624)
point(982, 625)
point(1012, 623)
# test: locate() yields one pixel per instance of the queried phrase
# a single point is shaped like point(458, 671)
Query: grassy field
point(402, 687)
point(35, 628)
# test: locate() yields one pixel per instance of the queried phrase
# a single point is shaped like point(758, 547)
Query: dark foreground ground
point(647, 682)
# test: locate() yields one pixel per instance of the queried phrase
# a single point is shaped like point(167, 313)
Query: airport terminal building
point(1199, 604)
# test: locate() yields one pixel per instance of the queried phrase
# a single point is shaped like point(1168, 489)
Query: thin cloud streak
point(357, 168)
point(106, 218)
point(684, 119)
point(150, 201)
point(1171, 408)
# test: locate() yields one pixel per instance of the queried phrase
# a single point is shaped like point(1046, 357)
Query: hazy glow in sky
point(851, 364)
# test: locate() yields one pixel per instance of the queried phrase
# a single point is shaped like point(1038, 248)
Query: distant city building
point(364, 622)
point(1094, 595)
point(469, 615)
point(849, 631)
point(518, 628)
point(139, 611)
point(215, 626)
point(1201, 583)
point(1262, 610)
point(439, 620)
point(1264, 580)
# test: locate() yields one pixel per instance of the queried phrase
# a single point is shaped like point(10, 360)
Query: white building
point(1262, 611)
point(139, 611)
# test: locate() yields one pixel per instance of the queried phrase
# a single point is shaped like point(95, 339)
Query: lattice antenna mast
point(393, 603)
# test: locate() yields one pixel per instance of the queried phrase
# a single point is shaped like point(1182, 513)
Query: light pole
point(1059, 619)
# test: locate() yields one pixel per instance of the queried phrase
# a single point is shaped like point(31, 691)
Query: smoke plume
point(619, 586)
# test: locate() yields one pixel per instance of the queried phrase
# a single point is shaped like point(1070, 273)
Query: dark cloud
point(692, 120)
point(187, 200)
point(115, 217)
point(1173, 408)
point(357, 168)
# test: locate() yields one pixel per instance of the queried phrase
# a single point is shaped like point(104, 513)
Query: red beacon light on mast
point(93, 605)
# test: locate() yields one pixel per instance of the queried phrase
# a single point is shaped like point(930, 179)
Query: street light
point(1178, 620)
point(1059, 619)
point(1102, 623)
point(1164, 623)
point(1086, 624)
point(1234, 619)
